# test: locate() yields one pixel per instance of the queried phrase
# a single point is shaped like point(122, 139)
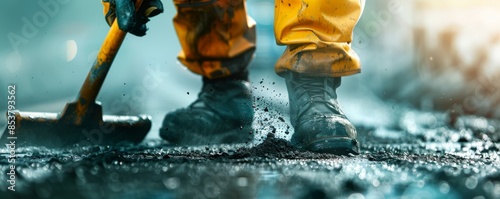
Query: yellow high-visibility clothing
point(218, 37)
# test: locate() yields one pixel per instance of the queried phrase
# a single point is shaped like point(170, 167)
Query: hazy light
point(71, 50)
point(14, 62)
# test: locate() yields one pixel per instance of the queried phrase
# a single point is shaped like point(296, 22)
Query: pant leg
point(217, 36)
point(318, 36)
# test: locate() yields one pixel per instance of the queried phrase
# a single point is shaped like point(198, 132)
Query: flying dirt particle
point(273, 129)
point(188, 93)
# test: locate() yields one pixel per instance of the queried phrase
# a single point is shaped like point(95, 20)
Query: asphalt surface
point(428, 155)
point(405, 153)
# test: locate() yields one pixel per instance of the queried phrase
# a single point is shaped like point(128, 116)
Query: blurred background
point(420, 54)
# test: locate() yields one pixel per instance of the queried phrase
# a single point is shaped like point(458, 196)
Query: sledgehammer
point(81, 122)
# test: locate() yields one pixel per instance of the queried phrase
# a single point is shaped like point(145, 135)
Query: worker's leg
point(218, 40)
point(217, 36)
point(318, 36)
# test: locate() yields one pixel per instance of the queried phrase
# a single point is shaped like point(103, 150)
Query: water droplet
point(420, 183)
point(242, 181)
point(356, 196)
point(171, 183)
point(444, 187)
point(471, 182)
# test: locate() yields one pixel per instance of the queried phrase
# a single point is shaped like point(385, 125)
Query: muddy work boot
point(222, 113)
point(320, 125)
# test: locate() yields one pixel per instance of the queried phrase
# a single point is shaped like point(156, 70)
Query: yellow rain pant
point(318, 36)
point(217, 36)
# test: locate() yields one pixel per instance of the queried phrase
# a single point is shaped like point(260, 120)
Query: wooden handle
point(102, 64)
point(95, 78)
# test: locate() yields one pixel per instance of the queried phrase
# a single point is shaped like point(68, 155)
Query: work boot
point(222, 113)
point(320, 125)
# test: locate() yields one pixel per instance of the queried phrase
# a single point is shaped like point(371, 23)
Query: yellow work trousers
point(218, 37)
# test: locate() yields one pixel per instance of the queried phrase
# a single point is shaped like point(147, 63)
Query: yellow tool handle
point(95, 78)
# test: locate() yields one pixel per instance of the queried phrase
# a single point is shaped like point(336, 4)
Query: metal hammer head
point(54, 130)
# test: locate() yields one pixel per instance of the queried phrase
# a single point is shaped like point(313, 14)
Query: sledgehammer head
point(59, 130)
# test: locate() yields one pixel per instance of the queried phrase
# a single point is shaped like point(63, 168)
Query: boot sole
point(334, 145)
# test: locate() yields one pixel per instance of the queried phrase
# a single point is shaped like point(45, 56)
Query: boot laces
point(206, 95)
point(316, 88)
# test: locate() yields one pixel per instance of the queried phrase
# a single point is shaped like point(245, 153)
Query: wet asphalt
point(418, 154)
point(428, 155)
